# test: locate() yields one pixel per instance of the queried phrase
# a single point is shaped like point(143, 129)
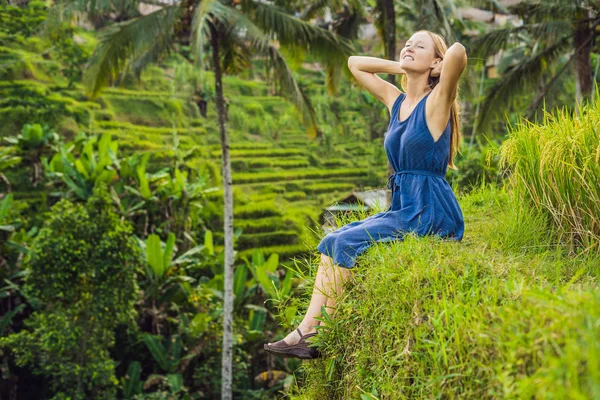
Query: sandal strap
point(305, 336)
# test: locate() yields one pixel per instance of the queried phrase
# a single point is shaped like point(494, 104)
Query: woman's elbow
point(458, 47)
point(351, 60)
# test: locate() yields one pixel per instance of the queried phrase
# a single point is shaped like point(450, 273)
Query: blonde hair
point(440, 47)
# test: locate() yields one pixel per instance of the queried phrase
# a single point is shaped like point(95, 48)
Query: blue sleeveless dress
point(422, 200)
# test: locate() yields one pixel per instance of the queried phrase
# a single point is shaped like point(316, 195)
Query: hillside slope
point(502, 314)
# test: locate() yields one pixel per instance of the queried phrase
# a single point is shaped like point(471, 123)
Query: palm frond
point(539, 11)
point(137, 42)
point(98, 7)
point(348, 23)
point(65, 10)
point(317, 8)
point(258, 40)
point(489, 5)
point(287, 29)
point(533, 107)
point(290, 90)
point(334, 74)
point(493, 41)
point(522, 79)
point(326, 46)
point(235, 54)
point(204, 12)
point(440, 21)
point(407, 10)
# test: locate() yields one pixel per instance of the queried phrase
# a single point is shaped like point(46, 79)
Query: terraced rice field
point(282, 179)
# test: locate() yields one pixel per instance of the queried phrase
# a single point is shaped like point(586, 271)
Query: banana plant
point(263, 276)
point(167, 197)
point(5, 206)
point(8, 159)
point(32, 137)
point(168, 359)
point(31, 143)
point(96, 163)
point(135, 170)
point(163, 280)
point(263, 273)
point(256, 321)
point(132, 385)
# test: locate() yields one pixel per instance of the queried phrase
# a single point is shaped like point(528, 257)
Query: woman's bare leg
point(340, 276)
point(330, 279)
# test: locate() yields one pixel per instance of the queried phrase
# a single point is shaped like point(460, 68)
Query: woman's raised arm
point(365, 68)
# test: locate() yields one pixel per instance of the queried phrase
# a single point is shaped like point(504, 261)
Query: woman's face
point(418, 54)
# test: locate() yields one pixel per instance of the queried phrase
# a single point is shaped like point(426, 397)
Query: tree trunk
point(389, 33)
point(226, 359)
point(583, 67)
point(389, 25)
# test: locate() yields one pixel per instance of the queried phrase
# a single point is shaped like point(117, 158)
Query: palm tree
point(385, 22)
point(237, 30)
point(349, 17)
point(558, 29)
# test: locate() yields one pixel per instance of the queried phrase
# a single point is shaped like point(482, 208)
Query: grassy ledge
point(506, 313)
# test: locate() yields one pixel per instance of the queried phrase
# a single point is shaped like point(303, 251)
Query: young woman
point(421, 140)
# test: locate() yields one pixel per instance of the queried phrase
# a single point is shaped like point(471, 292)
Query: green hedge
point(266, 224)
point(285, 253)
point(266, 152)
point(250, 240)
point(240, 178)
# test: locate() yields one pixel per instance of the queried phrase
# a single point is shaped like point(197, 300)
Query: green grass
point(239, 145)
point(303, 173)
point(151, 111)
point(502, 314)
point(160, 140)
point(556, 168)
point(265, 163)
point(265, 224)
point(266, 152)
point(150, 129)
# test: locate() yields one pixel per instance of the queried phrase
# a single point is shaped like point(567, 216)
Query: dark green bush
point(82, 270)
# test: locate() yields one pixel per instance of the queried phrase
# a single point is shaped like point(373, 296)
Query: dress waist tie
point(395, 177)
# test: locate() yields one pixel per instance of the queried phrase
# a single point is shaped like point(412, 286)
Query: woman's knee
point(326, 260)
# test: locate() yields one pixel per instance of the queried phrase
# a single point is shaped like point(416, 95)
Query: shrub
point(82, 271)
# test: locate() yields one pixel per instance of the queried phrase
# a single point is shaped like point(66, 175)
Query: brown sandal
point(298, 350)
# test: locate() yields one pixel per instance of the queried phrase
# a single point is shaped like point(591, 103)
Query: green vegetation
point(557, 170)
point(507, 313)
point(81, 281)
point(111, 221)
point(503, 314)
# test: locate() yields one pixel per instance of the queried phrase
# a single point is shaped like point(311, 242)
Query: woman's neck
point(416, 86)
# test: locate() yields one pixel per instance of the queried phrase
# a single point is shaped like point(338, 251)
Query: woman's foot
point(293, 337)
point(298, 348)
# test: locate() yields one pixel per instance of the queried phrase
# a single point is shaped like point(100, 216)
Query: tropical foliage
point(163, 173)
